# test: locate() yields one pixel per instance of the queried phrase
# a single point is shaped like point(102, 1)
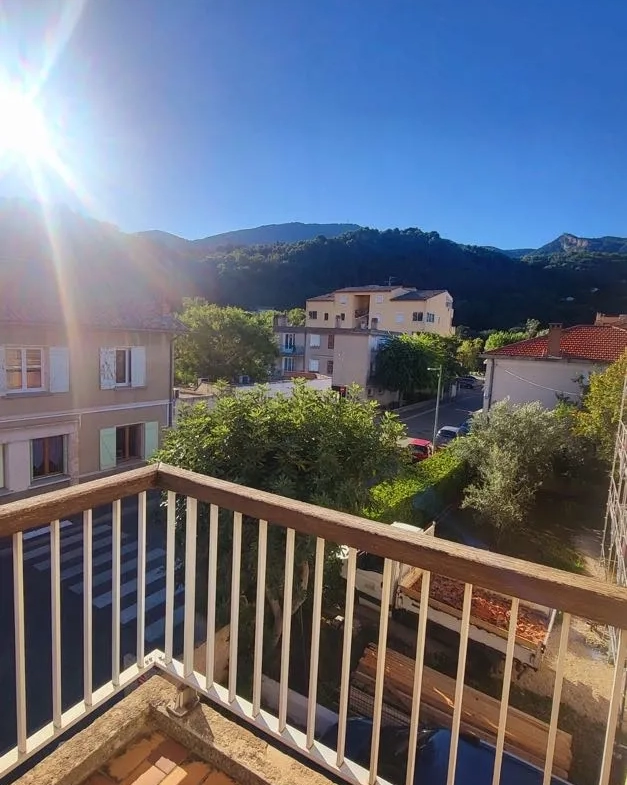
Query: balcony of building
point(111, 582)
point(291, 350)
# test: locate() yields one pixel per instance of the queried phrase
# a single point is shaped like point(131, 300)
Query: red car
point(420, 449)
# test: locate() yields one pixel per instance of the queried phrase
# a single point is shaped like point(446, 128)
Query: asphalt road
point(420, 424)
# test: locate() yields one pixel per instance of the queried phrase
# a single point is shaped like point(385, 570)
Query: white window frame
point(378, 298)
point(142, 436)
point(314, 366)
point(313, 315)
point(314, 341)
point(430, 318)
point(289, 340)
point(24, 370)
point(127, 365)
point(288, 361)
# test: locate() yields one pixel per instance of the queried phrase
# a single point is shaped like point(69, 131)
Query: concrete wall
point(523, 381)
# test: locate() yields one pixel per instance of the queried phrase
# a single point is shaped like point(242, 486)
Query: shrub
point(420, 492)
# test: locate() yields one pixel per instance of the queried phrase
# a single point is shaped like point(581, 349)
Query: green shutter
point(107, 449)
point(151, 439)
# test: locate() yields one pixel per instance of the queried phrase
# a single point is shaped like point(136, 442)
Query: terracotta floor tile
point(143, 767)
point(120, 767)
point(153, 776)
point(175, 777)
point(197, 771)
point(169, 749)
point(165, 764)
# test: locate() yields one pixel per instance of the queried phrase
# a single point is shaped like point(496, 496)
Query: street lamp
point(437, 401)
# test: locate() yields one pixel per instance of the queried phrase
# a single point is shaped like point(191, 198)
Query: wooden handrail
point(39, 510)
point(592, 599)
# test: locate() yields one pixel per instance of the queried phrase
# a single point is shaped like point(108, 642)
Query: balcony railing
point(292, 350)
point(194, 505)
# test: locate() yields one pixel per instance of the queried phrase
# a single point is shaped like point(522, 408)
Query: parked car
point(445, 436)
point(420, 449)
point(475, 758)
point(464, 428)
point(467, 382)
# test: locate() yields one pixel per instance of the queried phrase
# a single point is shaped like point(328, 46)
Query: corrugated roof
point(419, 294)
point(594, 343)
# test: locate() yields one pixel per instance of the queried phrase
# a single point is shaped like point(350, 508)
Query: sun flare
point(23, 128)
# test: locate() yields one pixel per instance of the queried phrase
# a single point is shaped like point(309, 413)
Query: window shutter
point(107, 448)
point(151, 439)
point(3, 372)
point(107, 369)
point(59, 358)
point(138, 366)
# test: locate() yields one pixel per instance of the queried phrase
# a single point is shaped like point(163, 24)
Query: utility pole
point(437, 402)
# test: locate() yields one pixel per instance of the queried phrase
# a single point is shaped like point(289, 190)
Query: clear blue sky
point(498, 122)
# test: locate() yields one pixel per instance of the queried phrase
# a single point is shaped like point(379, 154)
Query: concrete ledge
point(212, 737)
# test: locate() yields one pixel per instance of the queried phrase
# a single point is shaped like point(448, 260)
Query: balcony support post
point(185, 700)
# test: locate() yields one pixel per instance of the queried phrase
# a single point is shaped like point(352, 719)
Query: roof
point(322, 297)
point(593, 343)
point(373, 287)
point(31, 295)
point(419, 294)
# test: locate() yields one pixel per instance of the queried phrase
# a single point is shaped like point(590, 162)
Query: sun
point(23, 130)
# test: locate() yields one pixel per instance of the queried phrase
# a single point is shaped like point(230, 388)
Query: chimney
point(554, 340)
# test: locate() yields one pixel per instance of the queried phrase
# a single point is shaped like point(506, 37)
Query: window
point(399, 318)
point(378, 298)
point(128, 442)
point(449, 305)
point(342, 316)
point(24, 369)
point(417, 316)
point(314, 366)
point(314, 340)
point(288, 363)
point(329, 367)
point(289, 339)
point(331, 341)
point(47, 456)
point(326, 317)
point(430, 317)
point(122, 367)
point(313, 314)
point(343, 299)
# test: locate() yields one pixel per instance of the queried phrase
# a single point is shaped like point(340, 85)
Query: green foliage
point(502, 338)
point(512, 451)
point(311, 446)
point(598, 419)
point(468, 353)
point(490, 289)
point(296, 316)
point(223, 343)
point(402, 364)
point(439, 478)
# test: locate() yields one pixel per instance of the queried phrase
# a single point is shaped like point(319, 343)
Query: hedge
point(419, 494)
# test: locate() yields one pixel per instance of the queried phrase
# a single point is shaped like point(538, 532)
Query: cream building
point(81, 395)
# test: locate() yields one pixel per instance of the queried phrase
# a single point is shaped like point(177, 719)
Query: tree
point(402, 364)
point(312, 446)
point(468, 354)
point(223, 343)
point(532, 327)
point(296, 316)
point(502, 338)
point(600, 413)
point(512, 450)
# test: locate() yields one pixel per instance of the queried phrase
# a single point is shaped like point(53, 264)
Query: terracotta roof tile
point(583, 342)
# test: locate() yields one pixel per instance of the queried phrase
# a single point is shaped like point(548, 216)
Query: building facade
point(79, 402)
point(344, 329)
point(553, 366)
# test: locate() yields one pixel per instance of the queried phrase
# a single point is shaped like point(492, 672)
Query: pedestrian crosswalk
point(37, 555)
